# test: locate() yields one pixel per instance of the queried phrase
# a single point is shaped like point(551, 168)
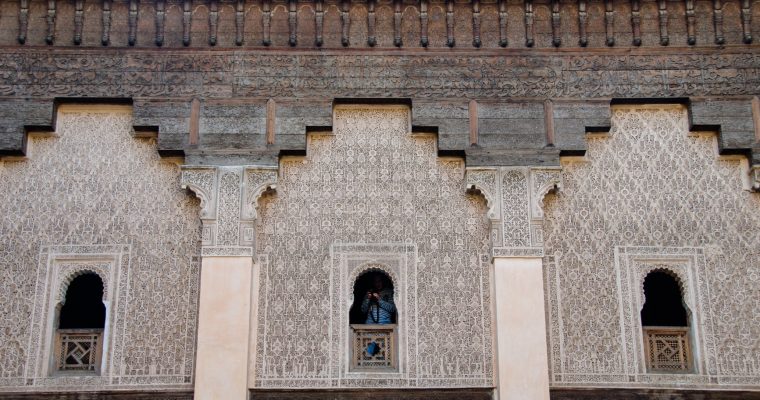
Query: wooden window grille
point(79, 350)
point(667, 349)
point(373, 347)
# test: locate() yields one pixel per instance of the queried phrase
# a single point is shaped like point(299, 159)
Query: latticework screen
point(373, 346)
point(667, 349)
point(78, 349)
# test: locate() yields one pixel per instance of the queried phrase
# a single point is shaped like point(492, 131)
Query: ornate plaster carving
point(229, 198)
point(515, 196)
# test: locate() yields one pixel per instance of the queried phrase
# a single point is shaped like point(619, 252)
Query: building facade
point(558, 198)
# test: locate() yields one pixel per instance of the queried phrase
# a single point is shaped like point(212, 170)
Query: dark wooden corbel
point(293, 22)
point(319, 17)
point(132, 22)
point(345, 20)
point(582, 23)
point(529, 28)
point(662, 6)
point(556, 22)
point(503, 41)
point(397, 23)
point(239, 22)
point(50, 37)
point(450, 41)
point(160, 19)
point(105, 36)
point(78, 21)
point(636, 22)
point(371, 21)
point(691, 18)
point(609, 23)
point(746, 21)
point(266, 21)
point(424, 40)
point(213, 22)
point(718, 21)
point(476, 41)
point(187, 20)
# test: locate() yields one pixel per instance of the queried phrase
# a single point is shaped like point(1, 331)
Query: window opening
point(665, 324)
point(372, 319)
point(81, 322)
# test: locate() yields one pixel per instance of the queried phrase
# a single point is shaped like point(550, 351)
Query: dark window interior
point(362, 285)
point(664, 306)
point(84, 308)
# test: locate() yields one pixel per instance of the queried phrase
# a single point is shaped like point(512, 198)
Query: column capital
point(229, 198)
point(515, 199)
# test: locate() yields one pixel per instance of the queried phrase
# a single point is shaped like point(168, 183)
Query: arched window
point(81, 322)
point(372, 320)
point(665, 323)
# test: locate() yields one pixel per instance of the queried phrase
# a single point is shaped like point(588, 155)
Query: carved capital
point(514, 196)
point(229, 197)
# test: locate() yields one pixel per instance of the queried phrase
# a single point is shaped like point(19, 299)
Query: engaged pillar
point(226, 311)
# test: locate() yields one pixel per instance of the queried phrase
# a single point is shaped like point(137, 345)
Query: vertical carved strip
point(582, 23)
point(319, 17)
point(213, 22)
point(609, 22)
point(636, 22)
point(105, 38)
point(23, 20)
point(50, 38)
point(293, 22)
point(345, 19)
point(503, 41)
point(556, 20)
point(266, 21)
point(271, 120)
point(78, 21)
point(371, 20)
point(662, 6)
point(450, 41)
point(187, 18)
point(424, 41)
point(747, 21)
point(473, 114)
point(691, 18)
point(160, 19)
point(718, 21)
point(476, 23)
point(529, 28)
point(397, 23)
point(132, 22)
point(239, 22)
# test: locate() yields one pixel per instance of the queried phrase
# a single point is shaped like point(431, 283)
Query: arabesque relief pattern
point(653, 185)
point(93, 185)
point(373, 187)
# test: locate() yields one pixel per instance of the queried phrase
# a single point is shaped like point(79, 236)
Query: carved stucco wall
point(94, 195)
point(373, 194)
point(652, 195)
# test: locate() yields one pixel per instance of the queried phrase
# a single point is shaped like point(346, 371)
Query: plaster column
point(221, 369)
point(521, 329)
point(229, 283)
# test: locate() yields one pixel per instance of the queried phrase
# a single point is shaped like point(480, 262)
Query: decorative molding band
point(521, 252)
point(226, 251)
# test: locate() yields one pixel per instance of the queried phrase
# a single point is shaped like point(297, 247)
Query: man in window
point(378, 305)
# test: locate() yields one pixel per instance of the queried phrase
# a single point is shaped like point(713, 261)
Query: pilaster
point(515, 206)
point(229, 197)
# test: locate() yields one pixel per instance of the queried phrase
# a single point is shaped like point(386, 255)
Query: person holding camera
point(378, 304)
